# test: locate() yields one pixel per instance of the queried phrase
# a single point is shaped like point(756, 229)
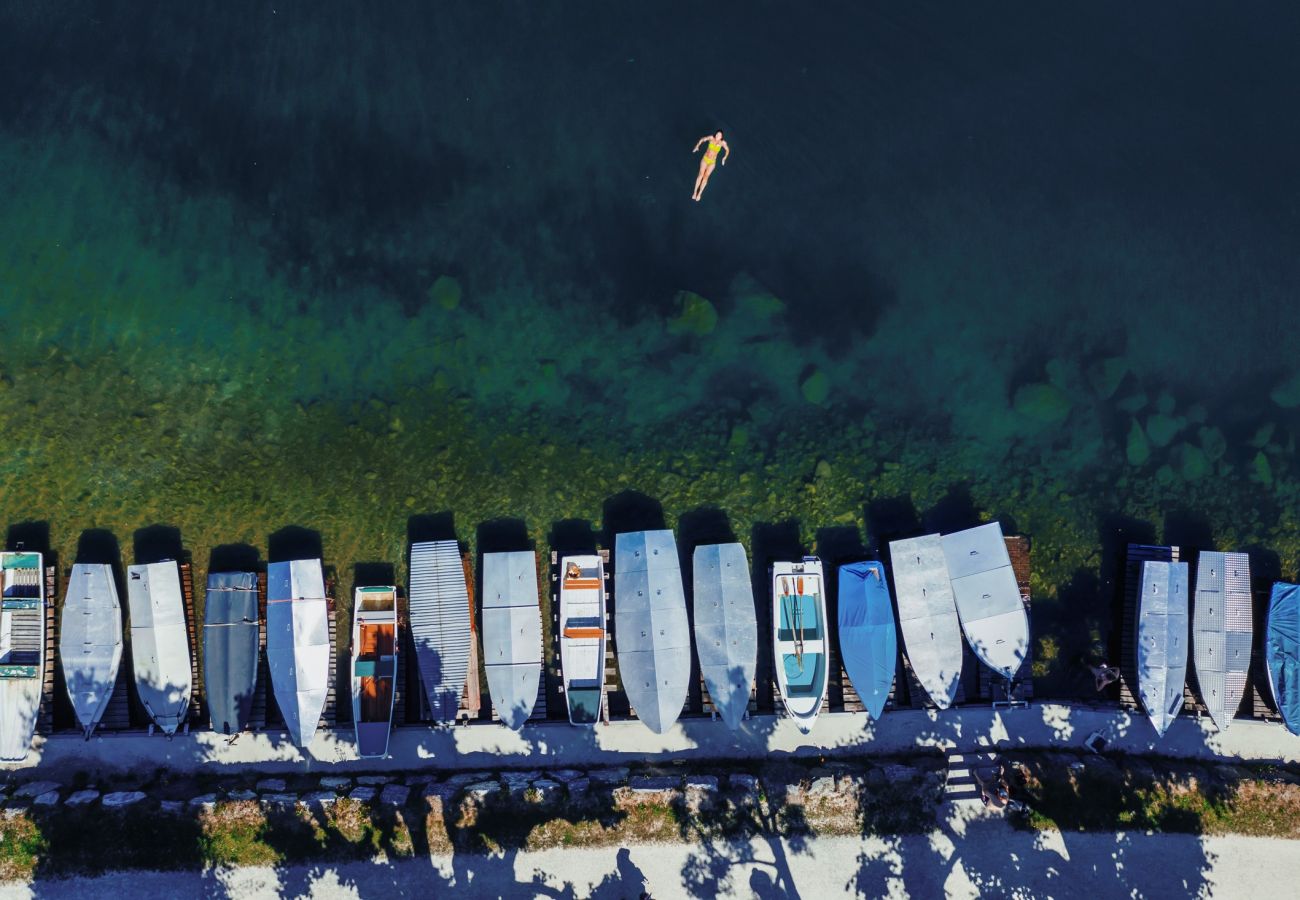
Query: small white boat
point(987, 597)
point(90, 641)
point(298, 644)
point(726, 628)
point(512, 634)
point(160, 646)
point(582, 636)
point(374, 667)
point(799, 637)
point(927, 615)
point(22, 651)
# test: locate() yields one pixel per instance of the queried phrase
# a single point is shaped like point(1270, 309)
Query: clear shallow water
point(965, 263)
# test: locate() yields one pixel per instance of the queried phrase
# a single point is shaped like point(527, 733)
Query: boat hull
point(1282, 652)
point(160, 651)
point(652, 634)
point(374, 668)
point(230, 649)
point(90, 641)
point(987, 597)
point(441, 627)
point(582, 637)
point(726, 627)
point(799, 638)
point(298, 644)
point(512, 634)
point(1222, 632)
point(927, 615)
point(1162, 641)
point(868, 640)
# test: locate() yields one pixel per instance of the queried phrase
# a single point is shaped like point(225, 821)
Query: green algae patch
point(695, 315)
point(445, 293)
point(1193, 463)
point(1106, 375)
point(1137, 448)
point(1045, 403)
point(1162, 428)
point(1287, 393)
point(815, 387)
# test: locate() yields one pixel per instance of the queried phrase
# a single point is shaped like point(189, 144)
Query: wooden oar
point(798, 614)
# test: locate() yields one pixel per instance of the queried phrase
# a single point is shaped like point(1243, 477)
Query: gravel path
point(966, 858)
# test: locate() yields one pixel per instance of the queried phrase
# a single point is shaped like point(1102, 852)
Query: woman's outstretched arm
point(700, 143)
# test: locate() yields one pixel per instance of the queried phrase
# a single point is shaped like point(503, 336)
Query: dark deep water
point(1041, 259)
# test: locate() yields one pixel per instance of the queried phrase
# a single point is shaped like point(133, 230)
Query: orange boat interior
point(374, 669)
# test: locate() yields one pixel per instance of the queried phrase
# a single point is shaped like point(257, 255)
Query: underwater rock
point(445, 292)
point(1134, 403)
point(1105, 376)
point(1165, 403)
point(1042, 402)
point(1165, 475)
point(695, 315)
point(753, 300)
point(1287, 394)
point(739, 439)
point(1213, 443)
point(1138, 449)
point(1263, 434)
point(816, 387)
point(1162, 429)
point(1193, 464)
point(1261, 471)
point(1061, 374)
point(823, 470)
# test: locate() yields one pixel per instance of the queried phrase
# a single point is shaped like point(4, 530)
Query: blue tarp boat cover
point(1282, 652)
point(868, 640)
point(230, 638)
point(726, 627)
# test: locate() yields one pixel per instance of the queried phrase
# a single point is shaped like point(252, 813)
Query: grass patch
point(1122, 793)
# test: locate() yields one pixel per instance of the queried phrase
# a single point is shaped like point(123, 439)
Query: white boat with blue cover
point(726, 627)
point(652, 631)
point(799, 638)
point(90, 641)
point(1162, 640)
point(512, 634)
point(22, 650)
point(1222, 632)
point(298, 644)
point(927, 615)
point(868, 640)
point(1282, 652)
point(160, 647)
point(987, 597)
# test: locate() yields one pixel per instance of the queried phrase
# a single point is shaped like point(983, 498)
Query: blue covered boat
point(1282, 652)
point(868, 641)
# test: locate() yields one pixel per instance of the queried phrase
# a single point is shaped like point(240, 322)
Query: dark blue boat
point(1282, 652)
point(868, 641)
point(230, 639)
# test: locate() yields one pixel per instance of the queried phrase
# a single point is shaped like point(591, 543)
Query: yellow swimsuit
point(711, 155)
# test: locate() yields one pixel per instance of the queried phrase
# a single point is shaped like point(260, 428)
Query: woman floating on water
point(716, 143)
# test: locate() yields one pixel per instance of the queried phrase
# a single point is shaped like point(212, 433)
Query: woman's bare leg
point(699, 180)
point(704, 182)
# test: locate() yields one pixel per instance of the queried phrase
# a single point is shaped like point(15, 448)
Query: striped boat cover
point(987, 597)
point(1222, 630)
point(927, 615)
point(90, 641)
point(726, 627)
point(160, 648)
point(650, 626)
point(1162, 640)
point(440, 624)
point(512, 634)
point(298, 644)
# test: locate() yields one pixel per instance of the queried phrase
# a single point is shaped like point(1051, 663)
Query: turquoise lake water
point(325, 265)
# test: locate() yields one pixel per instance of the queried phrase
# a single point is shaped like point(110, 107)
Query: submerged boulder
point(1287, 394)
point(1138, 450)
point(1105, 376)
point(695, 315)
point(1162, 429)
point(1044, 403)
point(1193, 464)
point(815, 387)
point(445, 292)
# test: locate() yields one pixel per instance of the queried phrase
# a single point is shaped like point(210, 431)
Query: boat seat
point(802, 679)
point(807, 614)
point(384, 667)
point(20, 603)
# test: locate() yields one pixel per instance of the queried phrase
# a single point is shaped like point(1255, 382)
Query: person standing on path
point(715, 143)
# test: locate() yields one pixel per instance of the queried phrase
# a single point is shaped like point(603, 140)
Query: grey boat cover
point(440, 624)
point(1162, 640)
point(90, 641)
point(650, 626)
point(987, 597)
point(1282, 652)
point(230, 638)
point(927, 615)
point(22, 651)
point(298, 644)
point(512, 634)
point(160, 648)
point(726, 627)
point(1222, 631)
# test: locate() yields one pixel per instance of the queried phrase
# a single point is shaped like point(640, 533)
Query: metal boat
point(726, 628)
point(1222, 632)
point(298, 644)
point(652, 633)
point(987, 597)
point(927, 615)
point(90, 641)
point(160, 649)
point(441, 624)
point(1162, 640)
point(512, 634)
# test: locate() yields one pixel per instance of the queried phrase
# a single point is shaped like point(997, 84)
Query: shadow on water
point(891, 519)
point(156, 543)
point(34, 537)
point(234, 558)
point(629, 511)
point(440, 526)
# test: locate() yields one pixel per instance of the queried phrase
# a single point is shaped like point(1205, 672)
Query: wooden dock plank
point(198, 715)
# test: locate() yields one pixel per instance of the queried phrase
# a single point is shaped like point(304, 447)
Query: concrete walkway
point(966, 730)
point(967, 858)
